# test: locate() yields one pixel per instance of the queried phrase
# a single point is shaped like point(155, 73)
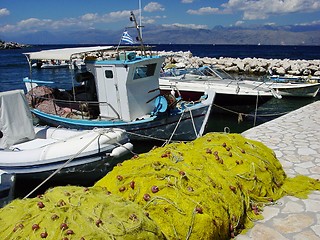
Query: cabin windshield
point(143, 71)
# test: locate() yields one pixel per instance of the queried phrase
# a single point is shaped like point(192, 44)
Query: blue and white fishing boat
point(119, 89)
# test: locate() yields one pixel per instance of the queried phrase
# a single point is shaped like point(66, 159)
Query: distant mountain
point(265, 35)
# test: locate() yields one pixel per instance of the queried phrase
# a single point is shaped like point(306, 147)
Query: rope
point(100, 133)
point(193, 124)
point(146, 136)
point(255, 112)
point(248, 114)
point(174, 130)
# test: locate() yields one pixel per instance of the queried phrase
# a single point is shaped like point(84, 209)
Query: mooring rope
point(193, 124)
point(256, 110)
point(174, 130)
point(146, 136)
point(248, 114)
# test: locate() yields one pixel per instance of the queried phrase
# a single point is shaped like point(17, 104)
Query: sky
point(27, 16)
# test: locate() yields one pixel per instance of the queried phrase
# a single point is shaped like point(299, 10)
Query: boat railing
point(83, 108)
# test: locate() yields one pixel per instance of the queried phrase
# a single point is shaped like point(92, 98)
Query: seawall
point(255, 66)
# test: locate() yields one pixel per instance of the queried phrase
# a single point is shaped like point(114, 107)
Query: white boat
point(32, 152)
point(231, 94)
point(50, 64)
point(7, 184)
point(289, 86)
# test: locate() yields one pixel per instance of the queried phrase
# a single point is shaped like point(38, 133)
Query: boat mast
point(140, 17)
point(139, 38)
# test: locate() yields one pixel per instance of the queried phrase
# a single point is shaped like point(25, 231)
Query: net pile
point(211, 188)
point(76, 213)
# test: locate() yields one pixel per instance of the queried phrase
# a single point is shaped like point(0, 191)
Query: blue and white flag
point(127, 38)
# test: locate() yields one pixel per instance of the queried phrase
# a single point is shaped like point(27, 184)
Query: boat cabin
point(126, 85)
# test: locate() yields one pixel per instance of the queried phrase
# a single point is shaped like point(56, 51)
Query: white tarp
point(16, 124)
point(63, 53)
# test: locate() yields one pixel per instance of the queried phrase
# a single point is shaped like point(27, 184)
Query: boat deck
point(295, 138)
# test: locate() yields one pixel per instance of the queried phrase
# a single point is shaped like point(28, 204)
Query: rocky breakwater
point(11, 45)
point(255, 66)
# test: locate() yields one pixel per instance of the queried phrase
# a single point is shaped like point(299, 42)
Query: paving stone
point(293, 223)
point(293, 207)
point(307, 235)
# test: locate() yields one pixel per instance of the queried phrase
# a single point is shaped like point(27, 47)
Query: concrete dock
point(295, 138)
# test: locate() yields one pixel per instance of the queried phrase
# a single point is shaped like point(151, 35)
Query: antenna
point(139, 38)
point(140, 17)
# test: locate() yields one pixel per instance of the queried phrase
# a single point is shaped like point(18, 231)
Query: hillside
point(177, 35)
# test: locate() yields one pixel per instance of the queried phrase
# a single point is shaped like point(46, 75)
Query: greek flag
point(126, 38)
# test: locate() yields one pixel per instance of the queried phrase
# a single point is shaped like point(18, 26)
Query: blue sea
point(14, 67)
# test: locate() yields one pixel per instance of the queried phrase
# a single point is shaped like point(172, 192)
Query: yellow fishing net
point(76, 213)
point(210, 188)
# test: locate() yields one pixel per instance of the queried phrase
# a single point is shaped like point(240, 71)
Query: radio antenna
point(139, 38)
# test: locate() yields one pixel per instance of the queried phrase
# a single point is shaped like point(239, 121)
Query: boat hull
point(7, 186)
point(288, 89)
point(68, 155)
point(80, 170)
point(244, 103)
point(180, 127)
point(303, 91)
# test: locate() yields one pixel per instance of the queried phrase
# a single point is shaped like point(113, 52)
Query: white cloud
point(116, 16)
point(33, 23)
point(263, 9)
point(4, 12)
point(204, 11)
point(89, 17)
point(313, 23)
point(85, 21)
point(7, 28)
point(153, 7)
point(186, 1)
point(192, 26)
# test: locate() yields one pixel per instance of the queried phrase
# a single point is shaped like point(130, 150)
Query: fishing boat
point(7, 185)
point(119, 89)
point(36, 152)
point(231, 94)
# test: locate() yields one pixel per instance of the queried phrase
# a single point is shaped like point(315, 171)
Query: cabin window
point(108, 74)
point(144, 71)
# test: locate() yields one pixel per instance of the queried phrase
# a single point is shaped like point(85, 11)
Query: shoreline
point(12, 45)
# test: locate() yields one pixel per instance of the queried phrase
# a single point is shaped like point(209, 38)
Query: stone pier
point(295, 138)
